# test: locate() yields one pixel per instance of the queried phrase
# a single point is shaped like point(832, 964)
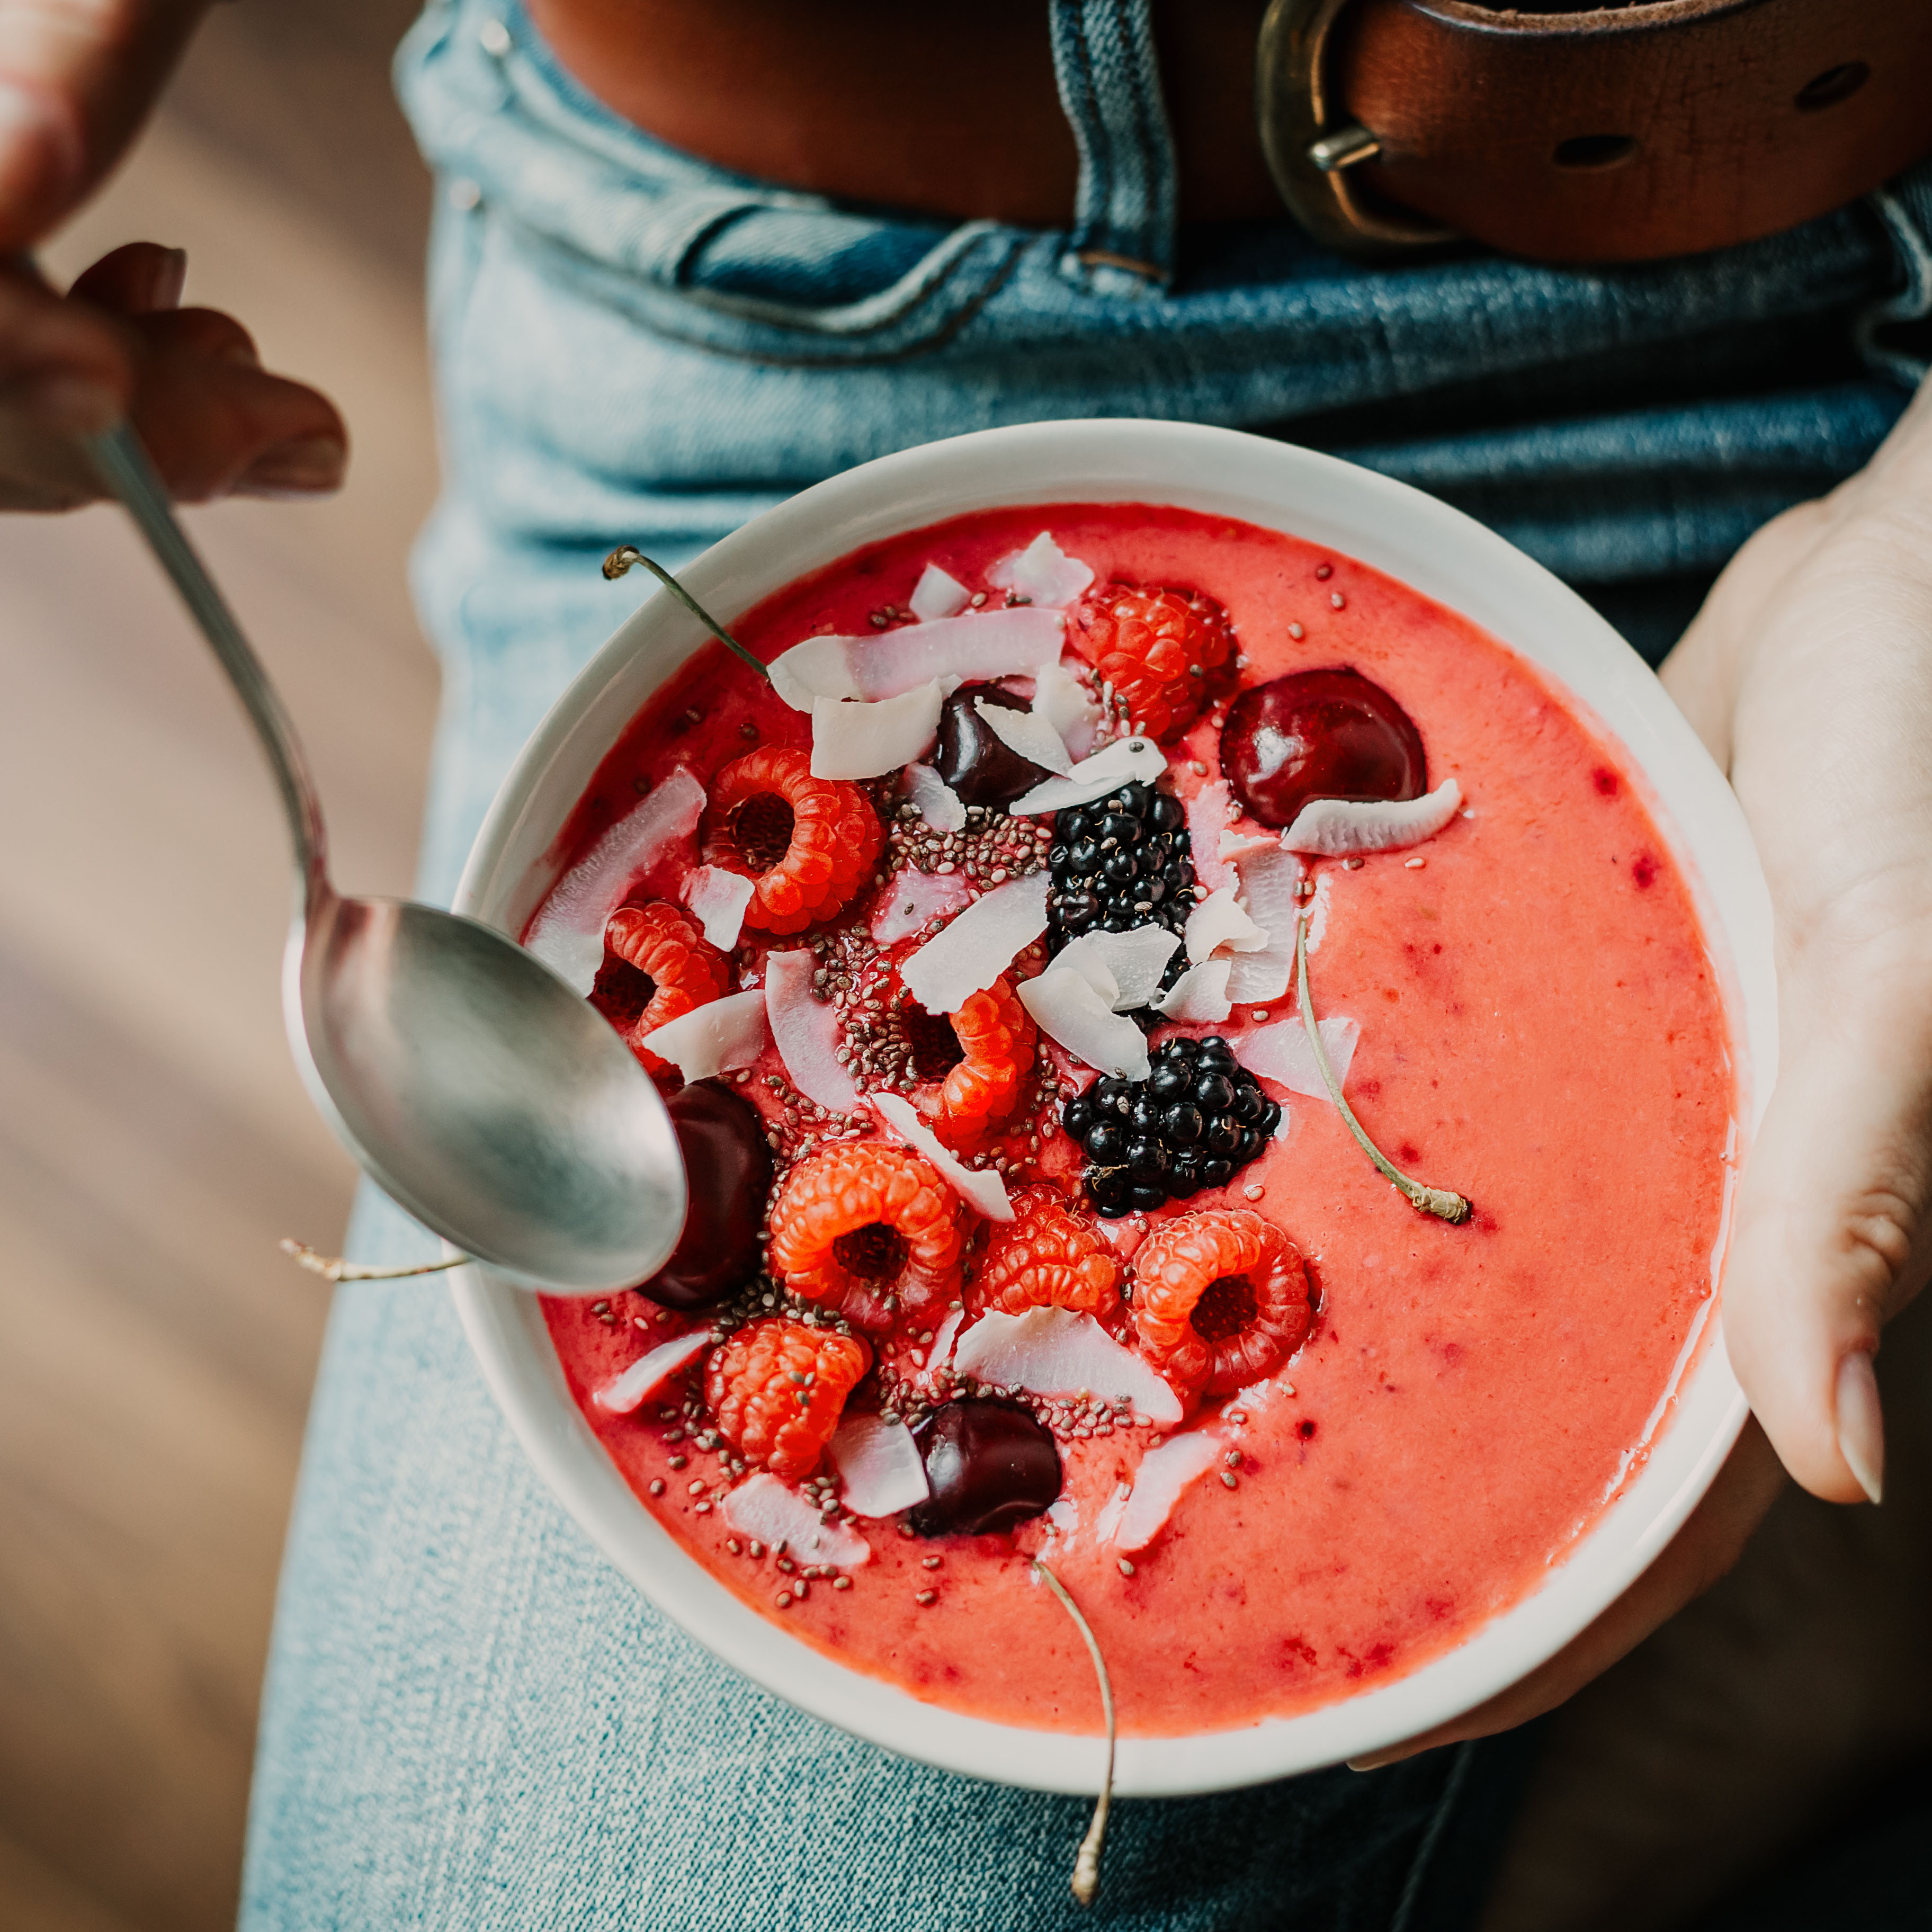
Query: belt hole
point(1595, 152)
point(1834, 85)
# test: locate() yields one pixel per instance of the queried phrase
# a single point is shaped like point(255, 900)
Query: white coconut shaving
point(1066, 1008)
point(980, 644)
point(854, 739)
point(718, 1037)
point(1057, 1351)
point(806, 1031)
point(878, 1466)
point(1062, 700)
point(940, 1354)
point(771, 1512)
point(1280, 1052)
point(1027, 734)
point(1336, 828)
point(1269, 883)
point(980, 1188)
point(1199, 997)
point(1220, 920)
point(1043, 571)
point(1126, 761)
point(937, 594)
point(967, 955)
point(911, 898)
point(568, 934)
point(718, 897)
point(939, 805)
point(649, 1373)
point(1165, 1475)
point(1124, 968)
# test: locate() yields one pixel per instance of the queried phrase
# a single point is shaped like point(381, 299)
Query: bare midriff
point(1542, 1028)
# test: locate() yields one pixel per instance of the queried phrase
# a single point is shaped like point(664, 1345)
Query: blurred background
point(154, 1141)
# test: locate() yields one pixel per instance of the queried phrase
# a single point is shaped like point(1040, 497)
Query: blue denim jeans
point(470, 1721)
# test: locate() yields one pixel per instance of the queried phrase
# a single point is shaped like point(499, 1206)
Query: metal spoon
point(473, 1085)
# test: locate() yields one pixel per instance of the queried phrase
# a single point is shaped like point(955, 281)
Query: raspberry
point(997, 1041)
point(775, 1390)
point(861, 1228)
point(1044, 1257)
point(659, 964)
point(1220, 1300)
point(808, 843)
point(1165, 652)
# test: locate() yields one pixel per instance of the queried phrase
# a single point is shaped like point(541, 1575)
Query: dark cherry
point(1319, 734)
point(727, 1168)
point(992, 1465)
point(981, 767)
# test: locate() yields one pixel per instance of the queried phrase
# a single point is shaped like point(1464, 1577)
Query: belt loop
point(1122, 240)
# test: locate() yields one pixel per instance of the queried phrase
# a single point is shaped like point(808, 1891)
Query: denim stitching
point(1411, 1890)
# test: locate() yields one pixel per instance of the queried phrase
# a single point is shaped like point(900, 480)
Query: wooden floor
point(155, 1350)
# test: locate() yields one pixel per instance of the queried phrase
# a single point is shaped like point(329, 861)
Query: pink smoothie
point(1541, 1028)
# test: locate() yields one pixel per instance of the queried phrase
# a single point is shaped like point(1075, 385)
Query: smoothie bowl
point(1213, 1009)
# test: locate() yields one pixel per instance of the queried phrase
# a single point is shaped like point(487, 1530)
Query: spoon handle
point(125, 468)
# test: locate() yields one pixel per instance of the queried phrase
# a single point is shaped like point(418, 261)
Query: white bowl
point(1440, 552)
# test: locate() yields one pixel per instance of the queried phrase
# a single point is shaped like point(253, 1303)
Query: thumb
point(1831, 1231)
point(77, 78)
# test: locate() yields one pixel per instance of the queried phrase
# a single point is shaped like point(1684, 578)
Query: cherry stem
point(1440, 1201)
point(1086, 1882)
point(627, 556)
point(332, 1268)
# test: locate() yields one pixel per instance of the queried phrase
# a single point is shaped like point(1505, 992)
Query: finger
point(1705, 1548)
point(136, 280)
point(63, 365)
point(76, 79)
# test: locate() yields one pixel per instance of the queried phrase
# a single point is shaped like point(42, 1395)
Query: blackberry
point(1198, 1116)
point(1118, 864)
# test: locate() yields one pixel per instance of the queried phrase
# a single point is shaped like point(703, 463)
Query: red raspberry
point(997, 1039)
point(1220, 1300)
point(1046, 1257)
point(680, 969)
point(776, 1389)
point(1166, 653)
point(809, 843)
point(862, 1227)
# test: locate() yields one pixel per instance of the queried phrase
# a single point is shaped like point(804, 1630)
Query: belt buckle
point(1310, 148)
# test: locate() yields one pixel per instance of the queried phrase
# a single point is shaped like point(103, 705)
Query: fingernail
point(1862, 1422)
point(297, 468)
point(170, 278)
point(67, 405)
point(1375, 1760)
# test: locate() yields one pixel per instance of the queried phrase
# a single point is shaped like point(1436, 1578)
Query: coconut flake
point(1125, 761)
point(1057, 1351)
point(878, 1466)
point(1043, 571)
point(911, 898)
point(1218, 920)
point(982, 644)
point(649, 1373)
point(1280, 1052)
point(980, 1188)
point(1062, 700)
point(1269, 880)
point(1028, 734)
point(567, 933)
point(1066, 1008)
point(1159, 1482)
point(717, 1037)
point(1199, 997)
point(967, 955)
point(806, 1030)
point(817, 668)
point(940, 1354)
point(857, 740)
point(718, 896)
point(772, 1512)
point(939, 805)
point(1334, 827)
point(937, 594)
point(1132, 962)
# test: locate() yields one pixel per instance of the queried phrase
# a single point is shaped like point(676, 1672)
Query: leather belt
point(1619, 134)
